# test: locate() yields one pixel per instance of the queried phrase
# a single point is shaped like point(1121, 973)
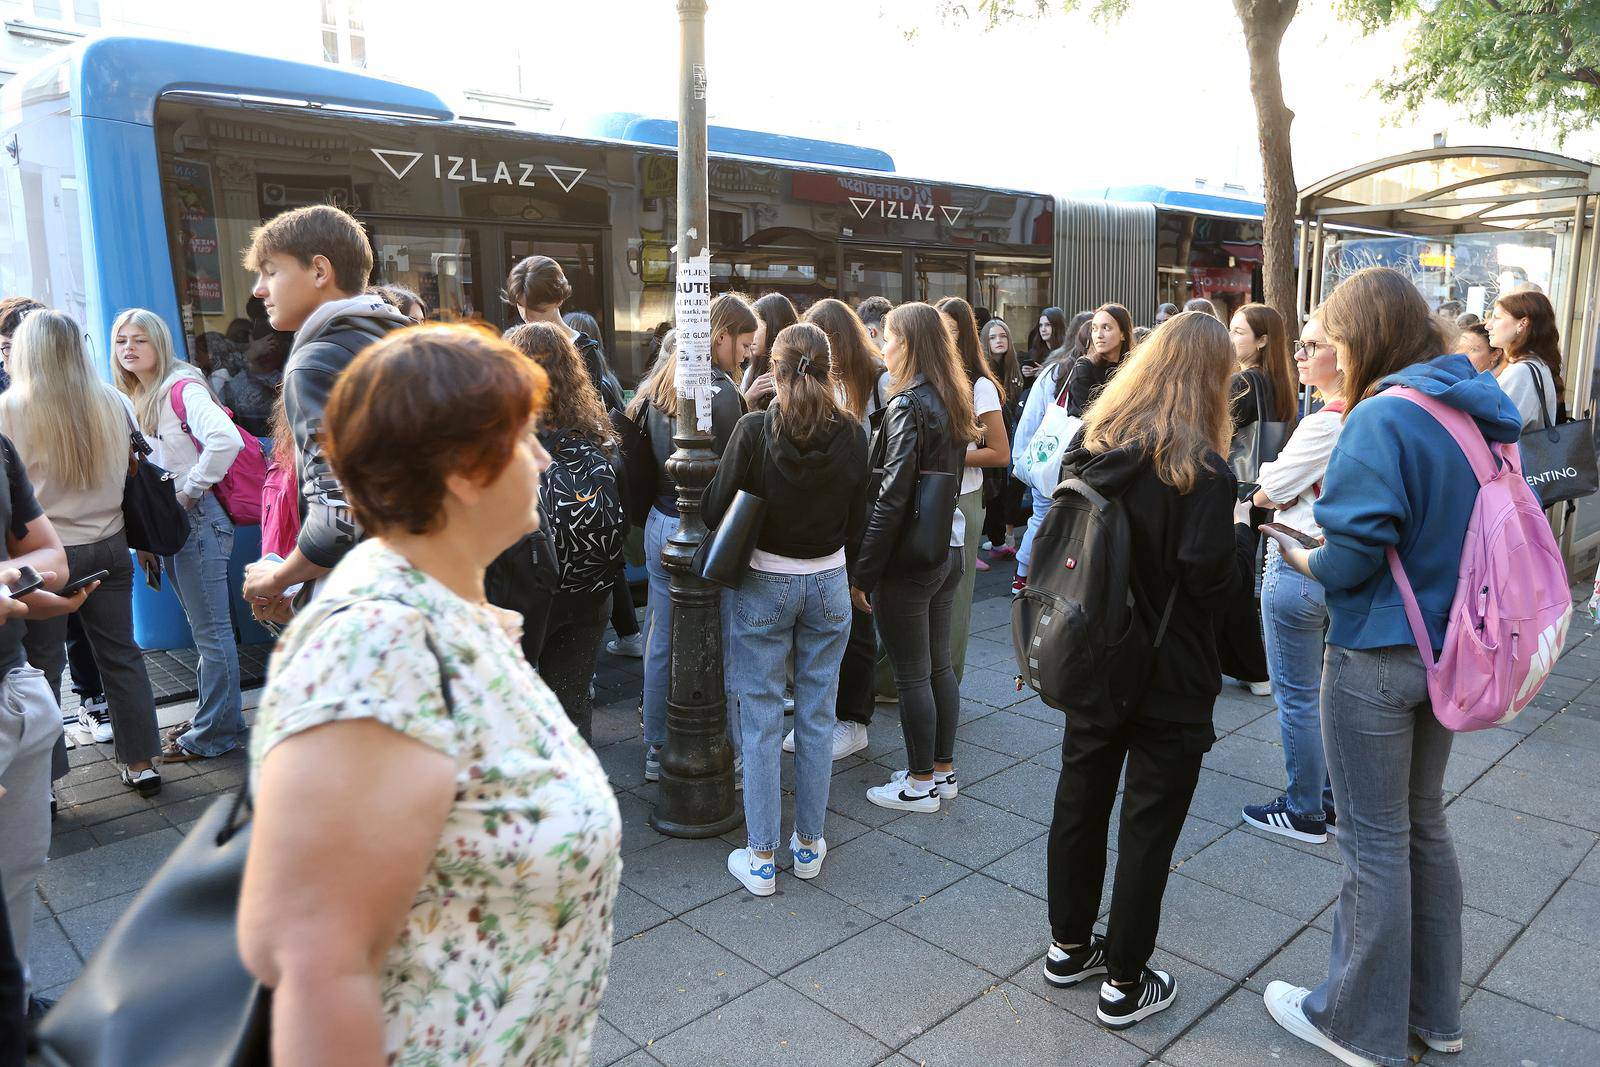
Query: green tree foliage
point(1537, 59)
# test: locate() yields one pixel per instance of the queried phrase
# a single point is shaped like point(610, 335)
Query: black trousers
point(577, 622)
point(80, 661)
point(856, 700)
point(1163, 765)
point(13, 999)
point(624, 620)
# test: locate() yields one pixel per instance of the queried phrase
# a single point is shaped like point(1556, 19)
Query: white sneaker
point(94, 718)
point(627, 646)
point(755, 874)
point(788, 702)
point(902, 795)
point(1283, 1003)
point(944, 785)
point(807, 859)
point(1259, 689)
point(1439, 1044)
point(848, 738)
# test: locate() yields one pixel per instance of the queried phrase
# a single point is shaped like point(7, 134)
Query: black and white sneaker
point(1276, 818)
point(1122, 1006)
point(1330, 817)
point(907, 794)
point(1063, 967)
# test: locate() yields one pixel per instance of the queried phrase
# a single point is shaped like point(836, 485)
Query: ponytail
point(802, 368)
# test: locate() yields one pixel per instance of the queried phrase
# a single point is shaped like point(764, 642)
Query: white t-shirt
point(985, 398)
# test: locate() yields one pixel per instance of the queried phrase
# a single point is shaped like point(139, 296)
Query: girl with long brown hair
point(919, 450)
point(1523, 327)
point(991, 450)
point(655, 409)
point(1155, 441)
point(1110, 341)
point(775, 313)
point(860, 377)
point(807, 458)
point(1397, 496)
point(576, 432)
point(1002, 494)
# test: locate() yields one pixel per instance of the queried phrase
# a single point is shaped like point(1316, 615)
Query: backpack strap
point(175, 398)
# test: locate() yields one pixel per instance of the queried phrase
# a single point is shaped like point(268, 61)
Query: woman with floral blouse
point(435, 851)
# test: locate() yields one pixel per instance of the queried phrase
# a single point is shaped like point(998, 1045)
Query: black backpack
point(581, 496)
point(1078, 641)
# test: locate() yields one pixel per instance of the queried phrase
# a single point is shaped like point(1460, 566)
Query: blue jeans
point(1295, 620)
point(1396, 958)
point(199, 574)
point(774, 615)
point(658, 528)
point(1041, 504)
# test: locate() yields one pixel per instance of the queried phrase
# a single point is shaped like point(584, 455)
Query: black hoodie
point(816, 497)
point(1185, 540)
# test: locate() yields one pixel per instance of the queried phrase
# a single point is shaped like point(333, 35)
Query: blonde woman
point(1155, 439)
point(71, 431)
point(145, 368)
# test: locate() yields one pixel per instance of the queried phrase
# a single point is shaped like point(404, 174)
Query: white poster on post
point(692, 311)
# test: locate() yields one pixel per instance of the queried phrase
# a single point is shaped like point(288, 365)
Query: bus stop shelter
point(1466, 225)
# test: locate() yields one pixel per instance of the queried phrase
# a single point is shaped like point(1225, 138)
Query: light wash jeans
point(199, 574)
point(775, 615)
point(1041, 504)
point(658, 528)
point(1396, 958)
point(1295, 623)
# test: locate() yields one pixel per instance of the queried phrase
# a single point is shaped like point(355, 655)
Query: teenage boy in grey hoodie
point(312, 265)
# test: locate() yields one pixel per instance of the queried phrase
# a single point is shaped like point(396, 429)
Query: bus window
point(580, 262)
point(41, 245)
point(438, 263)
point(873, 272)
point(1014, 290)
point(804, 275)
point(938, 275)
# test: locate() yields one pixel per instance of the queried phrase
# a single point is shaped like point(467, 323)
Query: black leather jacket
point(915, 436)
point(727, 408)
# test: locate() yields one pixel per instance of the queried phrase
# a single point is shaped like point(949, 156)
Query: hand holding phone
point(1248, 490)
point(79, 583)
point(27, 581)
point(1282, 534)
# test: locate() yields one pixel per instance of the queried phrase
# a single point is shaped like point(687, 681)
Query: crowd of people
point(435, 848)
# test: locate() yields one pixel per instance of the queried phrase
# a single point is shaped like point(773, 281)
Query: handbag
point(154, 519)
point(1260, 441)
point(1040, 463)
point(724, 555)
point(166, 988)
point(1558, 458)
point(636, 467)
point(924, 540)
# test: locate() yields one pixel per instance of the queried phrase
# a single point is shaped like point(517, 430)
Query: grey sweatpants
point(30, 724)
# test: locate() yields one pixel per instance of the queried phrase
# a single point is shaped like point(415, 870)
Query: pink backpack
point(1512, 604)
point(280, 511)
point(239, 491)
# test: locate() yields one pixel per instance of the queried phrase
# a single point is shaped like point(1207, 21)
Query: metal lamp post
point(696, 797)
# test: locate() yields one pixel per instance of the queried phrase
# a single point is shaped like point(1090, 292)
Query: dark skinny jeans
point(571, 642)
point(913, 616)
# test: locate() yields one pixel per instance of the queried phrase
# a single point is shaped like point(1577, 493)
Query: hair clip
point(804, 365)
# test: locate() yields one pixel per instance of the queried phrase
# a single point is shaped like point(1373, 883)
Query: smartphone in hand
point(79, 583)
point(26, 583)
point(1304, 540)
point(152, 572)
point(1247, 490)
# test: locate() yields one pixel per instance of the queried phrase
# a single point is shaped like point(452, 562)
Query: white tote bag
point(1040, 463)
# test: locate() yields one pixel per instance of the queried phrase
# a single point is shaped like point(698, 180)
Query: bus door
point(936, 275)
point(442, 264)
point(868, 272)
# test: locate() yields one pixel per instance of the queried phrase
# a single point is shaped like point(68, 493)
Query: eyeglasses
point(1309, 348)
point(5, 349)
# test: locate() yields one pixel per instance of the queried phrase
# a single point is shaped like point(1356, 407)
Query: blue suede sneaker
point(754, 873)
point(1276, 818)
point(807, 858)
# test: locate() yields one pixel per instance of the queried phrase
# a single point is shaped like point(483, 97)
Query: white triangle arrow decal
point(862, 205)
point(951, 213)
point(409, 159)
point(567, 177)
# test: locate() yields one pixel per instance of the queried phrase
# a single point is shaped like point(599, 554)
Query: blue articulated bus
point(135, 170)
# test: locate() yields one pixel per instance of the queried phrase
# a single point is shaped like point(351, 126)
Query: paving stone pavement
point(921, 941)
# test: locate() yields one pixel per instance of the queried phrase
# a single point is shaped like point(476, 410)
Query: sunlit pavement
point(921, 940)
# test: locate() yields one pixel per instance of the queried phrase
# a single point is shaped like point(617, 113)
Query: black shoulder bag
point(166, 988)
point(154, 519)
point(1558, 458)
point(924, 540)
point(724, 556)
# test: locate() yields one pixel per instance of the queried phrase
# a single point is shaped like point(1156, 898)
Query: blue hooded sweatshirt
point(1398, 478)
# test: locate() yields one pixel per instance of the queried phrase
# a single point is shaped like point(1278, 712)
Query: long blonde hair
point(147, 400)
point(65, 422)
point(660, 386)
point(1172, 400)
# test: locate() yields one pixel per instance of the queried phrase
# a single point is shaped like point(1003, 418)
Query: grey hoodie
point(330, 339)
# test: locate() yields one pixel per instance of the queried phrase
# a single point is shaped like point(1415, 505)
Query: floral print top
point(504, 955)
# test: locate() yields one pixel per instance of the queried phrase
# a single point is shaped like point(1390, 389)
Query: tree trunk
point(1264, 23)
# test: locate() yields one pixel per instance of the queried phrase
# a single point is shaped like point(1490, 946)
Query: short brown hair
point(318, 230)
point(420, 405)
point(537, 282)
point(13, 309)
